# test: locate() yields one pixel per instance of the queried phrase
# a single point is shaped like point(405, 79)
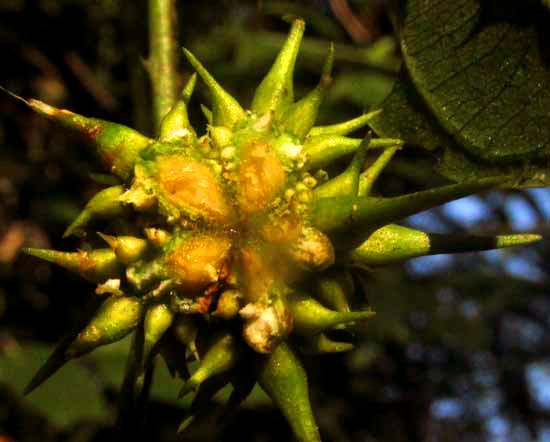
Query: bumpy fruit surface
point(235, 247)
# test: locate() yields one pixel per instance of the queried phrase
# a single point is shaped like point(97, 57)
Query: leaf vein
point(505, 85)
point(473, 62)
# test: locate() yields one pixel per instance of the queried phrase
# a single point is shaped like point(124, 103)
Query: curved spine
point(312, 318)
point(226, 111)
point(104, 204)
point(325, 149)
point(128, 249)
point(276, 92)
point(96, 265)
point(222, 355)
point(346, 127)
point(299, 118)
point(175, 125)
point(118, 146)
point(116, 317)
point(369, 176)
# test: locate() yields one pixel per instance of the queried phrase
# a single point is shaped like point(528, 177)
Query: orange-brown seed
point(192, 186)
point(261, 177)
point(200, 261)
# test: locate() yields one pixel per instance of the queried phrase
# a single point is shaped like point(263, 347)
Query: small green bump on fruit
point(299, 118)
point(220, 137)
point(226, 111)
point(157, 237)
point(116, 317)
point(312, 318)
point(104, 204)
point(117, 145)
point(346, 127)
point(127, 248)
point(175, 125)
point(221, 356)
point(334, 288)
point(283, 378)
point(95, 266)
point(322, 344)
point(276, 92)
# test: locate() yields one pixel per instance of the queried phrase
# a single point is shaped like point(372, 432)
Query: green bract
point(223, 232)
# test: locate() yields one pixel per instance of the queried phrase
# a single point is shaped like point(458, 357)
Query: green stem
point(162, 57)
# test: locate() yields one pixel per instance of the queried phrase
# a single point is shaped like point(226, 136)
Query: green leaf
point(482, 82)
point(71, 395)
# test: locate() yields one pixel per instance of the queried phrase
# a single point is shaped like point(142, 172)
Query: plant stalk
point(161, 64)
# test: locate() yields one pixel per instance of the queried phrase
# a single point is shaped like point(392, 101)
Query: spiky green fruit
point(238, 256)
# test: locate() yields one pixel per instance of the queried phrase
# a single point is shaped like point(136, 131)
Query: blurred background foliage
point(458, 350)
